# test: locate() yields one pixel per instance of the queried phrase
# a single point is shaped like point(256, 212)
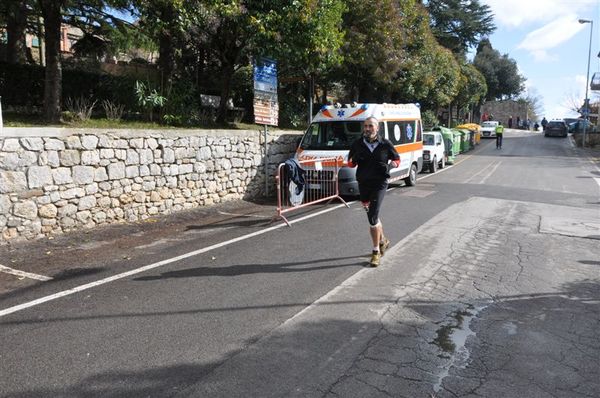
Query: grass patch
point(12, 119)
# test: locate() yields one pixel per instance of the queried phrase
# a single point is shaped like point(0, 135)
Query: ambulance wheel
point(411, 180)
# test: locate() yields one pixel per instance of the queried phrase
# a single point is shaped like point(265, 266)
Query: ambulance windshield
point(331, 135)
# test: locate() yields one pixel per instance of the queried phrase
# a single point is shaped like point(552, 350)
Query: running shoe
point(375, 259)
point(383, 245)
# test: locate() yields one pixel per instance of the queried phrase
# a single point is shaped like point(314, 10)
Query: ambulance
point(334, 129)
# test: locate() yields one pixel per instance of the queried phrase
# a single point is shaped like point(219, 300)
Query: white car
point(434, 151)
point(488, 128)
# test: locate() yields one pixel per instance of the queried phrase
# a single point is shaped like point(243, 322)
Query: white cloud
point(516, 13)
point(550, 35)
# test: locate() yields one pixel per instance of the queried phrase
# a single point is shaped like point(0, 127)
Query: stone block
point(151, 143)
point(87, 202)
point(48, 211)
point(39, 176)
point(89, 142)
point(53, 144)
point(136, 143)
point(25, 209)
point(133, 157)
point(32, 143)
point(69, 157)
point(73, 142)
point(132, 171)
point(91, 189)
point(100, 174)
point(5, 204)
point(116, 171)
point(68, 210)
point(62, 175)
point(108, 153)
point(105, 141)
point(84, 216)
point(11, 145)
point(83, 174)
point(12, 181)
point(168, 155)
point(90, 157)
point(146, 156)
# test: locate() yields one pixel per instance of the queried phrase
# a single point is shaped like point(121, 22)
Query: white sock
point(376, 249)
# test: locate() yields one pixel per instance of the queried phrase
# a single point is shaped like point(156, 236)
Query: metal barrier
point(321, 185)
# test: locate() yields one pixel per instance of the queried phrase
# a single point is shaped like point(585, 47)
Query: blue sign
point(265, 75)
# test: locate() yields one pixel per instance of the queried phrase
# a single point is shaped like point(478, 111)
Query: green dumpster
point(456, 141)
point(450, 147)
point(465, 143)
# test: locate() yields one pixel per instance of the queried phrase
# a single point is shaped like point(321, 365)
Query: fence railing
point(320, 185)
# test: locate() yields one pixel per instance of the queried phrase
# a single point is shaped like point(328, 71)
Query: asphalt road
point(228, 304)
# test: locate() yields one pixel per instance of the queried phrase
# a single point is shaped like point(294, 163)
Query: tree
point(296, 32)
point(373, 50)
point(473, 88)
point(166, 21)
point(15, 14)
point(460, 24)
point(52, 14)
point(500, 71)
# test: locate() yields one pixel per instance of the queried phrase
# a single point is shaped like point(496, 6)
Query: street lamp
point(586, 103)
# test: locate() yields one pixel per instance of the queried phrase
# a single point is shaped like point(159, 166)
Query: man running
point(372, 153)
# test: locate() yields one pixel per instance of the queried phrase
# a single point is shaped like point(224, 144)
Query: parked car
point(434, 151)
point(488, 128)
point(557, 128)
point(577, 126)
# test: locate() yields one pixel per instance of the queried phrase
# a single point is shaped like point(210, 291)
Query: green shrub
point(22, 87)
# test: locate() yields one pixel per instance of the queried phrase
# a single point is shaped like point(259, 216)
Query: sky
point(550, 47)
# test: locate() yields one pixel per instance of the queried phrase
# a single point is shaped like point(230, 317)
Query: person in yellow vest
point(499, 134)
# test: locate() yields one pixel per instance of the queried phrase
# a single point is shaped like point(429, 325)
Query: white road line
point(241, 215)
point(122, 275)
point(12, 271)
point(479, 172)
point(597, 168)
point(488, 175)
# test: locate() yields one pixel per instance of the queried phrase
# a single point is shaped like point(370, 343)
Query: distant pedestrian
point(510, 122)
point(544, 123)
point(519, 125)
point(499, 134)
point(371, 153)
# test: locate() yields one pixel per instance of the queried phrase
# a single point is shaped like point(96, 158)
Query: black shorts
point(373, 192)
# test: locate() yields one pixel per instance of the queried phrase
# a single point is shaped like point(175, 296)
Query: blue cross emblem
point(341, 113)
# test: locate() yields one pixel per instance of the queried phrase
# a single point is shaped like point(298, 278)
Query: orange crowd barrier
point(321, 185)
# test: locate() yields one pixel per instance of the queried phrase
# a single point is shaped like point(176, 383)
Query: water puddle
point(452, 338)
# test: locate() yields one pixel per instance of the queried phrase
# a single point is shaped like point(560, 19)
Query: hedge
point(22, 86)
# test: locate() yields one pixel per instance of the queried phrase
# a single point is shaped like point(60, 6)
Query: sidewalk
point(502, 303)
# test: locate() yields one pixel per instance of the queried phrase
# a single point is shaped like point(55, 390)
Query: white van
point(334, 128)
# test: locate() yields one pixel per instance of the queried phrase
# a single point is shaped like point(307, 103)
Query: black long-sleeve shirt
point(372, 166)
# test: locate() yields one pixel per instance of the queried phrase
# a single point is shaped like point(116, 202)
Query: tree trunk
point(166, 61)
point(51, 11)
point(226, 77)
point(166, 51)
point(16, 48)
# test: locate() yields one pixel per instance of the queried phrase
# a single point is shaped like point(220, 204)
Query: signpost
point(266, 107)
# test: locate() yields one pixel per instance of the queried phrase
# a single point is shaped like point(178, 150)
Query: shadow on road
point(244, 269)
point(551, 345)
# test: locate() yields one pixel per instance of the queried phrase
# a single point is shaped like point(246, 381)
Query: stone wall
point(503, 110)
point(56, 180)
